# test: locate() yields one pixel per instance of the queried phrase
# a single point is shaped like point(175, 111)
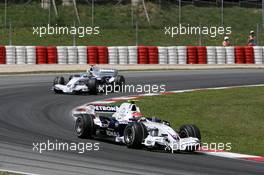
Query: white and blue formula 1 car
point(88, 82)
point(125, 124)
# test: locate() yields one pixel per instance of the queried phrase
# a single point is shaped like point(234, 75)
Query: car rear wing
point(104, 72)
point(105, 109)
point(94, 109)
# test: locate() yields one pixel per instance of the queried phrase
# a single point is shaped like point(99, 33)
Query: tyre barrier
point(92, 55)
point(131, 55)
point(249, 55)
point(30, 54)
point(163, 55)
point(258, 54)
point(211, 55)
point(20, 55)
point(192, 57)
point(202, 55)
point(182, 54)
point(10, 55)
point(41, 55)
point(72, 55)
point(102, 55)
point(153, 54)
point(172, 55)
point(230, 55)
point(2, 55)
point(82, 54)
point(143, 55)
point(240, 55)
point(113, 55)
point(62, 54)
point(122, 55)
point(52, 57)
point(220, 55)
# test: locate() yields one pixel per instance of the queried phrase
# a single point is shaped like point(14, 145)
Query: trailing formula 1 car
point(88, 82)
point(125, 124)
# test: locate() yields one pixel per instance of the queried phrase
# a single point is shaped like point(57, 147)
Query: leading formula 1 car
point(88, 82)
point(125, 124)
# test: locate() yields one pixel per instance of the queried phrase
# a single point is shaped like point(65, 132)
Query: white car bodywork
point(159, 133)
point(74, 85)
point(102, 76)
point(98, 73)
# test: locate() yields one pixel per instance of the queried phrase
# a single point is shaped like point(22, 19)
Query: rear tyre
point(84, 126)
point(190, 131)
point(92, 85)
point(134, 134)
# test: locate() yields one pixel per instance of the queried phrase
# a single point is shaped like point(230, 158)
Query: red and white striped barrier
point(172, 55)
point(41, 55)
point(131, 55)
point(154, 55)
point(143, 57)
point(82, 54)
point(62, 54)
point(2, 55)
point(92, 55)
point(31, 54)
point(10, 55)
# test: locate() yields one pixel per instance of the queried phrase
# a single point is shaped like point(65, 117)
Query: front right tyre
point(59, 80)
point(92, 84)
point(190, 131)
point(119, 82)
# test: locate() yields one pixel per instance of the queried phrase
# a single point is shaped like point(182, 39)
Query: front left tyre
point(84, 126)
point(134, 134)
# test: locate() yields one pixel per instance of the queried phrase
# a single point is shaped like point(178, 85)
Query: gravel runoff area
point(53, 68)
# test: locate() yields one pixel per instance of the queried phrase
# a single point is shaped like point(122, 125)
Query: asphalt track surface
point(29, 113)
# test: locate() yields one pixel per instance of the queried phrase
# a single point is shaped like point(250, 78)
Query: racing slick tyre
point(84, 126)
point(92, 85)
point(134, 134)
point(190, 131)
point(59, 80)
point(120, 80)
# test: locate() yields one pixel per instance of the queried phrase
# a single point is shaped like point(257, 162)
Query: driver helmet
point(91, 68)
point(137, 115)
